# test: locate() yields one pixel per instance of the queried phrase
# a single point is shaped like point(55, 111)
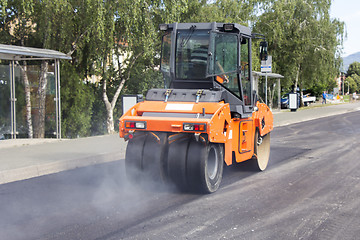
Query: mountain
point(355, 57)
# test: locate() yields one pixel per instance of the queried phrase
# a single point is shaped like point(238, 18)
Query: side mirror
point(263, 51)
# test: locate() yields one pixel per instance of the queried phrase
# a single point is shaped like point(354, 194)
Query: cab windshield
point(199, 57)
point(191, 54)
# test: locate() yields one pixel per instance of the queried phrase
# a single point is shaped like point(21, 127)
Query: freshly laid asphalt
point(22, 159)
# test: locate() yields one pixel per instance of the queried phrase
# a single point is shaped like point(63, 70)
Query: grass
point(346, 98)
point(319, 105)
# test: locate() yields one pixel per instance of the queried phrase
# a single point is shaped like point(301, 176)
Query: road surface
point(311, 190)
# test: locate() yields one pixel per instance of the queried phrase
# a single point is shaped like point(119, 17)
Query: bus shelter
point(269, 91)
point(30, 104)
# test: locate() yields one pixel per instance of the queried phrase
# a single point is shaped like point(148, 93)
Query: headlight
point(198, 127)
point(140, 125)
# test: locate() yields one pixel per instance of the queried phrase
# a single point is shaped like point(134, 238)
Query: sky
point(348, 11)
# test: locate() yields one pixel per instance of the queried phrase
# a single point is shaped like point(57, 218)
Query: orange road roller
point(206, 116)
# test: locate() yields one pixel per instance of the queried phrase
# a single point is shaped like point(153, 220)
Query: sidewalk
point(286, 117)
point(27, 158)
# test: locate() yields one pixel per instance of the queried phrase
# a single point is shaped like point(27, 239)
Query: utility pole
point(342, 80)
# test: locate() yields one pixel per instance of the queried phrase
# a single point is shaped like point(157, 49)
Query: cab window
point(245, 71)
point(223, 61)
point(223, 54)
point(165, 53)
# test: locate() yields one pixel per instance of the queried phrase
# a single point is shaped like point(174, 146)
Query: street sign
point(266, 65)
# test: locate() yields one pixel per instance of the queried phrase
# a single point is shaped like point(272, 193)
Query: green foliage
point(98, 125)
point(354, 68)
point(118, 42)
point(143, 79)
point(242, 12)
point(353, 82)
point(77, 103)
point(353, 77)
point(303, 40)
point(318, 87)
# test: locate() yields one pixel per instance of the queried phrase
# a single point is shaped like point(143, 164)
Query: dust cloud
point(50, 207)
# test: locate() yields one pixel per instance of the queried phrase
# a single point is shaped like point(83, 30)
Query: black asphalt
point(309, 191)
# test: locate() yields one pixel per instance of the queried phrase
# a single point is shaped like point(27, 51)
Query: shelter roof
point(11, 52)
point(270, 75)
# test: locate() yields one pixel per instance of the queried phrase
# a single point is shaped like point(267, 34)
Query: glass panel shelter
point(266, 88)
point(30, 104)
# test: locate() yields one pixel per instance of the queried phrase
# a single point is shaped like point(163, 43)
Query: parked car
point(307, 100)
point(285, 101)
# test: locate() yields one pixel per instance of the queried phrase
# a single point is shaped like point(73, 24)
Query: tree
point(353, 76)
point(354, 68)
point(16, 28)
point(353, 82)
point(303, 40)
point(66, 25)
point(242, 12)
point(117, 43)
point(136, 38)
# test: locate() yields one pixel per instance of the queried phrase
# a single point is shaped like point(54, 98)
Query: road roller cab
point(206, 115)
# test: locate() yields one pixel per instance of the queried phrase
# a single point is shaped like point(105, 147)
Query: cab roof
point(212, 26)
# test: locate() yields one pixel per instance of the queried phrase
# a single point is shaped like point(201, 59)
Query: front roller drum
point(261, 151)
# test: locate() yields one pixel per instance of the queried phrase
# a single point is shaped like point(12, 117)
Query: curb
point(306, 119)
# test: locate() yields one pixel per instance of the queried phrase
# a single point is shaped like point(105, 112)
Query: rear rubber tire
point(153, 156)
point(205, 164)
point(176, 164)
point(133, 157)
point(144, 158)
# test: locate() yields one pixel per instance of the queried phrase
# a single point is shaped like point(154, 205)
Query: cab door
point(245, 74)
